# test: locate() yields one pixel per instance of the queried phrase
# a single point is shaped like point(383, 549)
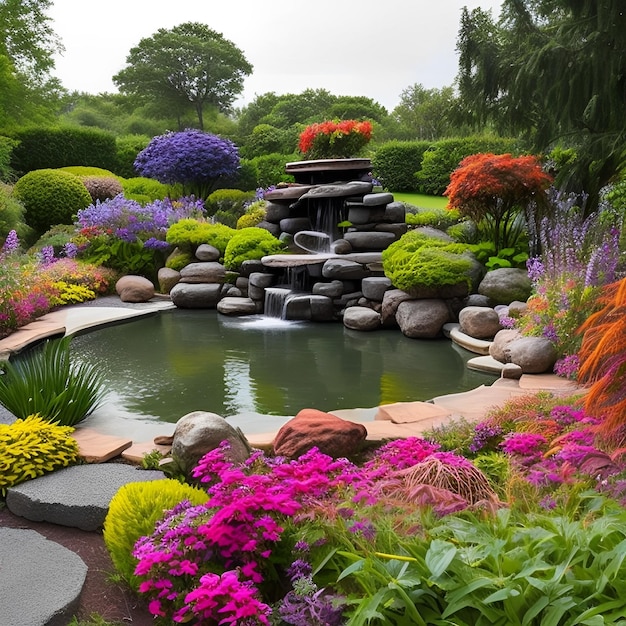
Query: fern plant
point(45, 381)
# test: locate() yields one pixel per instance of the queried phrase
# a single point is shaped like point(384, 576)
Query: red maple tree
point(496, 187)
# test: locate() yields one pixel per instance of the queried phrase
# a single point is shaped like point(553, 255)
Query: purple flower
point(46, 256)
point(70, 250)
point(11, 243)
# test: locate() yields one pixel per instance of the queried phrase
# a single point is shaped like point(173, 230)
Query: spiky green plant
point(45, 381)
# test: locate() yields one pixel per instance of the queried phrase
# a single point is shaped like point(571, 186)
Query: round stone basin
point(164, 366)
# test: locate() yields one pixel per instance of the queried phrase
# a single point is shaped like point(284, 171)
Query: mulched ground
point(100, 596)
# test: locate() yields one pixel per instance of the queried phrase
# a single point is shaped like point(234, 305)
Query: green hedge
point(59, 146)
point(396, 162)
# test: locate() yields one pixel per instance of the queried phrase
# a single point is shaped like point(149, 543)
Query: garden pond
point(164, 366)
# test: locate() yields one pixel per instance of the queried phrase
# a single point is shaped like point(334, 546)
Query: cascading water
point(275, 300)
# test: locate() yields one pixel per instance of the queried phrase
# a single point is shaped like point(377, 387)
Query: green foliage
point(437, 218)
point(250, 243)
point(486, 253)
point(133, 513)
point(87, 170)
point(454, 436)
point(178, 259)
point(267, 139)
point(53, 147)
point(188, 234)
point(416, 260)
point(125, 257)
point(244, 179)
point(6, 149)
point(444, 156)
point(255, 213)
point(11, 213)
point(270, 169)
point(144, 190)
point(230, 201)
point(51, 197)
point(45, 381)
point(396, 162)
point(127, 148)
point(31, 447)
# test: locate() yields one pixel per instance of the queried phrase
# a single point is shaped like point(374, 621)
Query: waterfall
point(275, 300)
point(329, 213)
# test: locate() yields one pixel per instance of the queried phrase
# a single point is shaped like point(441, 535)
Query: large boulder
point(196, 295)
point(134, 289)
point(312, 428)
point(505, 284)
point(200, 432)
point(535, 355)
point(479, 322)
point(203, 272)
point(422, 319)
point(499, 346)
point(361, 318)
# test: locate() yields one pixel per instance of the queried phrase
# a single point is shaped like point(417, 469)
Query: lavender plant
point(195, 159)
point(579, 254)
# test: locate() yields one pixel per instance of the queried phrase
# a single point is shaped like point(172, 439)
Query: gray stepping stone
point(32, 566)
point(77, 496)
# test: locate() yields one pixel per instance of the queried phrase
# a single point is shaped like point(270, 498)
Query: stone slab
point(136, 452)
point(475, 404)
point(411, 412)
point(486, 364)
point(95, 447)
point(471, 344)
point(76, 496)
point(548, 382)
point(32, 566)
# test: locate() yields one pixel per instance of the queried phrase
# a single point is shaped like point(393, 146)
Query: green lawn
point(422, 201)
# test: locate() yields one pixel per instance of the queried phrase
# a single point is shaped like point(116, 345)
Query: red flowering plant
point(494, 189)
point(335, 139)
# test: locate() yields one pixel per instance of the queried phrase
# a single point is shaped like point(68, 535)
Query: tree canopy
point(554, 70)
point(187, 66)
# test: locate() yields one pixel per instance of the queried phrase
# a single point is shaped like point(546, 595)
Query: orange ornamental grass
point(603, 362)
point(497, 186)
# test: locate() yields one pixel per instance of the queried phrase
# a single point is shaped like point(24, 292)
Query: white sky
point(352, 48)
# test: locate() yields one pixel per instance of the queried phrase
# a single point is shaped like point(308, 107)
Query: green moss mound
point(187, 234)
point(248, 244)
point(416, 261)
point(133, 513)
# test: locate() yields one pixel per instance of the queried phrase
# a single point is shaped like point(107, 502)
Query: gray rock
point(78, 496)
point(341, 269)
point(270, 227)
point(203, 272)
point(236, 306)
point(309, 307)
point(200, 432)
point(422, 319)
point(167, 278)
point(196, 295)
point(395, 212)
point(498, 348)
point(476, 299)
point(506, 284)
point(276, 212)
point(479, 322)
point(134, 289)
point(377, 199)
point(391, 300)
point(511, 371)
point(340, 246)
point(361, 318)
point(292, 225)
point(517, 308)
point(333, 289)
point(250, 267)
point(369, 240)
point(32, 564)
point(374, 287)
point(535, 355)
point(206, 252)
point(359, 215)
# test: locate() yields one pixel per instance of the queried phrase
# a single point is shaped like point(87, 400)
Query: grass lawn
point(422, 201)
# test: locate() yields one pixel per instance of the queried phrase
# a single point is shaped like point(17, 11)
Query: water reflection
point(167, 365)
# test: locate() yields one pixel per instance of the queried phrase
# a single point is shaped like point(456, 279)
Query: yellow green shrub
point(134, 512)
point(31, 447)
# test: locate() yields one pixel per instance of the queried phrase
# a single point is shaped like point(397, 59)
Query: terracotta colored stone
point(312, 428)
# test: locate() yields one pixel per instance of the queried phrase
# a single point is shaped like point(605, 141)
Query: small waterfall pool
point(164, 366)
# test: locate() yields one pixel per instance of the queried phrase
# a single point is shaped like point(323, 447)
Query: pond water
point(164, 366)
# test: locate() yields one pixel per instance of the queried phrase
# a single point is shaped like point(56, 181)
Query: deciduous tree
point(188, 65)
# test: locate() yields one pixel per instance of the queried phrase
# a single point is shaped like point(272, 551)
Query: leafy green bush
point(6, 149)
point(32, 446)
point(416, 260)
point(437, 218)
point(245, 178)
point(270, 169)
point(133, 513)
point(230, 201)
point(144, 190)
point(248, 244)
point(86, 170)
point(52, 147)
point(395, 163)
point(188, 234)
point(443, 157)
point(11, 213)
point(51, 197)
point(45, 381)
point(178, 259)
point(255, 213)
point(127, 148)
